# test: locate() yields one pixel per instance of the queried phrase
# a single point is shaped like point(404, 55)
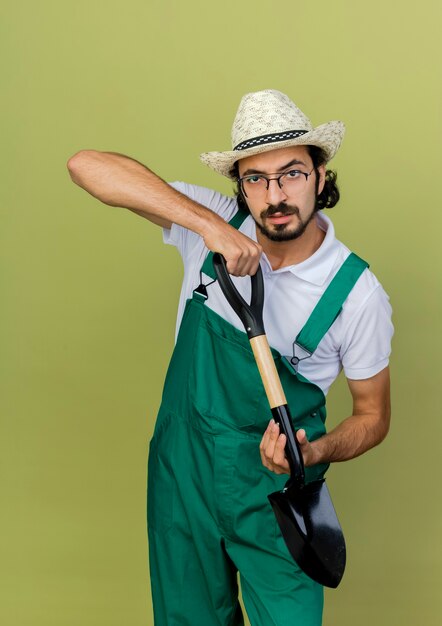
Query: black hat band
point(273, 137)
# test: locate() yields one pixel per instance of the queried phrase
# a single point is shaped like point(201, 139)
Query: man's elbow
point(383, 425)
point(78, 162)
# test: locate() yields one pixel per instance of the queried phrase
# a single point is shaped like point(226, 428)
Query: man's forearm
point(354, 436)
point(363, 430)
point(118, 180)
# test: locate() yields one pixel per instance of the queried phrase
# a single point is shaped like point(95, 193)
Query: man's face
point(282, 213)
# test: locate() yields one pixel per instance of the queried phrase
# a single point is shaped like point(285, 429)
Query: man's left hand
point(272, 448)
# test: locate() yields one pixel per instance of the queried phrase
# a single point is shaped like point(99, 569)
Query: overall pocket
point(225, 382)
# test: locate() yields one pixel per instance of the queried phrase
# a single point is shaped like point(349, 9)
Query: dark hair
point(328, 197)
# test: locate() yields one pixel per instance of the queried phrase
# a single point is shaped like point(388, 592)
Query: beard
point(284, 232)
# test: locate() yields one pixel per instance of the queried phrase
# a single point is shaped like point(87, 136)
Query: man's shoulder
point(338, 254)
point(367, 290)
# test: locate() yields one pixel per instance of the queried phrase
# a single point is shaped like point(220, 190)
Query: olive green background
point(89, 292)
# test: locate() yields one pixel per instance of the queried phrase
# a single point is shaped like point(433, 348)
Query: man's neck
point(284, 253)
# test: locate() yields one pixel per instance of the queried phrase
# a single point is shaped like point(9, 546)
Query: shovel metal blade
point(311, 530)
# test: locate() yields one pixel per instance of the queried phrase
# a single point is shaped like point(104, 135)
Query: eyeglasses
point(256, 185)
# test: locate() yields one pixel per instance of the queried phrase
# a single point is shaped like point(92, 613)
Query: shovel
point(304, 512)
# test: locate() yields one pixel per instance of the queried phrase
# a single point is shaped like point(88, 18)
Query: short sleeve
point(366, 345)
point(186, 240)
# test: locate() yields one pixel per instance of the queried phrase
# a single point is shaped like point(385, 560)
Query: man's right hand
point(242, 254)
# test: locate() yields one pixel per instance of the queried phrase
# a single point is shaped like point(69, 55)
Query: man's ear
point(321, 170)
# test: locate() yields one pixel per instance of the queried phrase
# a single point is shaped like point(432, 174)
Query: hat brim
point(326, 136)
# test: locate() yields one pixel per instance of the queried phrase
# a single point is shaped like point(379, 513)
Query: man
point(215, 455)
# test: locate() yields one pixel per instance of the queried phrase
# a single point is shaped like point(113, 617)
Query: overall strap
point(330, 304)
point(236, 222)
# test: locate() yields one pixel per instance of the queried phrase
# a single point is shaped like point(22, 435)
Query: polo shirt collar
point(316, 269)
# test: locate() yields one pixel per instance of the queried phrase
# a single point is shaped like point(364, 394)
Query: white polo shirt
point(358, 341)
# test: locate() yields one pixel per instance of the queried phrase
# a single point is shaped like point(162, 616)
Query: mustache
point(282, 208)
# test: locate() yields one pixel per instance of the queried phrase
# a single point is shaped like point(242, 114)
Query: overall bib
point(208, 512)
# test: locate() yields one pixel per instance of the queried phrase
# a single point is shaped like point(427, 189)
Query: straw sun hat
point(268, 120)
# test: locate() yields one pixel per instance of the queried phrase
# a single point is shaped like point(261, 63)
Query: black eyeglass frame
point(267, 179)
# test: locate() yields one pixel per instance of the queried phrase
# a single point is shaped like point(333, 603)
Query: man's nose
point(275, 194)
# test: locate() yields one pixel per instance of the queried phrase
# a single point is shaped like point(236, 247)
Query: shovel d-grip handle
point(251, 317)
point(249, 314)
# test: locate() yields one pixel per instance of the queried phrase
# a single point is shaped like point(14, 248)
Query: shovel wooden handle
point(268, 372)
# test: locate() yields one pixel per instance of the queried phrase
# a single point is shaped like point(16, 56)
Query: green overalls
point(209, 516)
